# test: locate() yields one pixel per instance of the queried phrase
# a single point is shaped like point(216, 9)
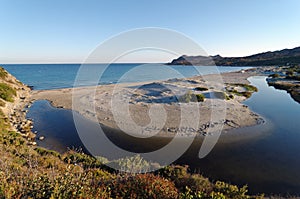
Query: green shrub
point(191, 97)
point(7, 93)
point(2, 103)
point(44, 152)
point(246, 94)
point(249, 90)
point(3, 73)
point(143, 186)
point(200, 97)
point(86, 161)
point(184, 180)
point(186, 98)
point(134, 164)
point(248, 87)
point(231, 191)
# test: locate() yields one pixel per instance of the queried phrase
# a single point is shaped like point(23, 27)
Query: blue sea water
point(54, 76)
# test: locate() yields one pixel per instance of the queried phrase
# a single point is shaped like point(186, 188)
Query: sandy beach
point(128, 106)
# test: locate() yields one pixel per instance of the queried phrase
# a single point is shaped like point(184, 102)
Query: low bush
point(248, 87)
point(200, 97)
point(246, 94)
point(7, 93)
point(191, 97)
point(44, 152)
point(142, 186)
point(3, 73)
point(84, 160)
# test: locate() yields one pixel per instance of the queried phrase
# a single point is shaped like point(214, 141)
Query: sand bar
point(106, 104)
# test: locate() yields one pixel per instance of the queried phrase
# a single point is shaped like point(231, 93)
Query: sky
point(56, 31)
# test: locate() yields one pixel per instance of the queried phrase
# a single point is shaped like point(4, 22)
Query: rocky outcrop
point(14, 108)
point(291, 86)
point(281, 57)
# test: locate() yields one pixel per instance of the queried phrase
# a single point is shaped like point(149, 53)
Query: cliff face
point(281, 57)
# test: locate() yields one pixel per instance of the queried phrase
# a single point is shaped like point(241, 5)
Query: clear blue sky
point(68, 30)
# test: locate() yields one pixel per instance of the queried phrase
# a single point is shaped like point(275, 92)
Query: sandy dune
point(153, 107)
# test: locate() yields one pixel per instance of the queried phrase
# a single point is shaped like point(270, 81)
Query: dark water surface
point(266, 157)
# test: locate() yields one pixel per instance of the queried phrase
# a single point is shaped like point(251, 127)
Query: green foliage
point(183, 179)
point(45, 152)
point(246, 94)
point(134, 164)
point(3, 122)
point(3, 73)
point(78, 158)
point(231, 191)
point(2, 103)
point(189, 96)
point(7, 93)
point(143, 186)
point(248, 87)
point(186, 98)
point(200, 97)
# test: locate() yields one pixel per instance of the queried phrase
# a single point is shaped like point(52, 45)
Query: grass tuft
point(7, 93)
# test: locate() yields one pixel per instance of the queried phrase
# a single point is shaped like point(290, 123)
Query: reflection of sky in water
point(276, 105)
point(268, 163)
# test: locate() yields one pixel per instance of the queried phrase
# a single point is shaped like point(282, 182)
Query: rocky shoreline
point(15, 110)
point(286, 78)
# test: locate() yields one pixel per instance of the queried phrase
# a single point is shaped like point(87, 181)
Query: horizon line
point(62, 62)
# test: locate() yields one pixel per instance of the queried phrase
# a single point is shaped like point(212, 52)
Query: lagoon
point(265, 157)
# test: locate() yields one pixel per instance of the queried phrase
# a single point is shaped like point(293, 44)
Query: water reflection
point(266, 157)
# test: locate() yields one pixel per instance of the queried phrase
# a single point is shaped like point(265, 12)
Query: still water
point(265, 157)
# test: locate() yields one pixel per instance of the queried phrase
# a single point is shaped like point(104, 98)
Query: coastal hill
point(280, 57)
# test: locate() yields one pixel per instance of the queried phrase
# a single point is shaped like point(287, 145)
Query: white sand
point(158, 99)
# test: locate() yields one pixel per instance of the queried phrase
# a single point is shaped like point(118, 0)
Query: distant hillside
point(281, 57)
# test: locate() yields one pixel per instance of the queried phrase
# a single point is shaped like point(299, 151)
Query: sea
point(55, 76)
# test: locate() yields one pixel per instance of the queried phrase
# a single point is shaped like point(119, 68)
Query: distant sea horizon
point(57, 76)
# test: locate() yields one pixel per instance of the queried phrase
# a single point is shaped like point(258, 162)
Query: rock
point(41, 138)
point(32, 143)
